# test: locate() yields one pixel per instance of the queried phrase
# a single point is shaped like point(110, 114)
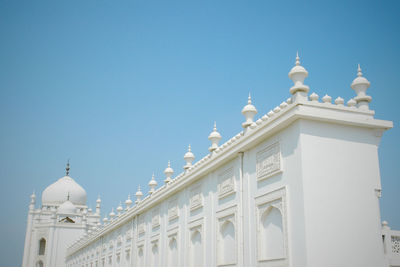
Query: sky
point(121, 87)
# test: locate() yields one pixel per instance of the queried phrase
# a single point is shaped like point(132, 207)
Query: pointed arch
point(196, 249)
point(154, 255)
point(226, 244)
point(271, 234)
point(172, 252)
point(140, 258)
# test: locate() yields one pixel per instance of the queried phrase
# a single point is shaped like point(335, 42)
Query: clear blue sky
point(121, 87)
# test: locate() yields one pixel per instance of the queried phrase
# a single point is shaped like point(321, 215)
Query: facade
point(299, 186)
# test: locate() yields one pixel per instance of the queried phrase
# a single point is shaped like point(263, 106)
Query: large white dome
point(57, 193)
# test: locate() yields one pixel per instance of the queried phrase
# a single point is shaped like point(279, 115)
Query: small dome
point(169, 170)
point(214, 134)
point(189, 155)
point(298, 69)
point(153, 182)
point(249, 108)
point(66, 208)
point(56, 193)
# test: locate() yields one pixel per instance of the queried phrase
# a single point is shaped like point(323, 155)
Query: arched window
point(42, 246)
point(196, 250)
point(39, 264)
point(172, 252)
point(226, 245)
point(154, 258)
point(271, 235)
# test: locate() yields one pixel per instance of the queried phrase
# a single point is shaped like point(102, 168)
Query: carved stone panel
point(155, 221)
point(226, 183)
point(141, 228)
point(196, 198)
point(268, 161)
point(173, 210)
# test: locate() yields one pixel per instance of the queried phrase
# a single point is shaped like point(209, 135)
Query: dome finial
point(248, 111)
point(67, 169)
point(139, 195)
point(128, 202)
point(188, 157)
point(360, 85)
point(168, 173)
point(214, 137)
point(152, 184)
point(297, 74)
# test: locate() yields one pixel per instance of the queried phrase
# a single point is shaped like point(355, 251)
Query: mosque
point(299, 186)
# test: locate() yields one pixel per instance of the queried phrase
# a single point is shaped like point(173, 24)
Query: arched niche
point(154, 255)
point(271, 236)
point(227, 243)
point(42, 246)
point(39, 264)
point(140, 258)
point(172, 252)
point(196, 249)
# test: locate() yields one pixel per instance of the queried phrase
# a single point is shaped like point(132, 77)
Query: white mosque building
point(299, 186)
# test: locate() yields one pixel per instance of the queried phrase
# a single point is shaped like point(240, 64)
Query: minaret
point(214, 137)
point(28, 234)
point(98, 205)
point(360, 86)
point(297, 74)
point(188, 157)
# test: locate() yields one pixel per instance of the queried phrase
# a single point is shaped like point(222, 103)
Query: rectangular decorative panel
point(226, 183)
point(196, 198)
point(173, 210)
point(155, 221)
point(268, 161)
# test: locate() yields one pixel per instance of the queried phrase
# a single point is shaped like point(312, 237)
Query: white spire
point(139, 195)
point(168, 173)
point(128, 202)
point(188, 157)
point(214, 137)
point(248, 111)
point(152, 184)
point(297, 74)
point(360, 86)
point(297, 58)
